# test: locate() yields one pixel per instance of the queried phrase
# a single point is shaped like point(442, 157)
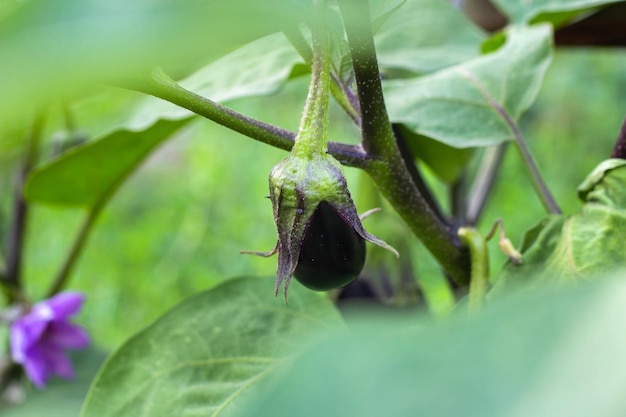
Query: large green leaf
point(526, 11)
point(133, 126)
point(211, 354)
point(61, 398)
point(559, 354)
point(426, 35)
point(258, 68)
point(54, 49)
point(86, 175)
point(460, 105)
point(580, 246)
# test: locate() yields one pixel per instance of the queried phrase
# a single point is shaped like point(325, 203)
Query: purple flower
point(40, 337)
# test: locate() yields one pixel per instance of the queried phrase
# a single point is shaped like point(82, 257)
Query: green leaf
point(258, 68)
point(604, 185)
point(557, 354)
point(87, 175)
point(459, 106)
point(61, 398)
point(538, 245)
point(211, 354)
point(527, 11)
point(426, 35)
point(72, 43)
point(445, 161)
point(579, 246)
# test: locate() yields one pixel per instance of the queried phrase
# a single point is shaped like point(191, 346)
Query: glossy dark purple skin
point(332, 254)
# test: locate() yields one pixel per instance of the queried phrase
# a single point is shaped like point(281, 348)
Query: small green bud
point(320, 235)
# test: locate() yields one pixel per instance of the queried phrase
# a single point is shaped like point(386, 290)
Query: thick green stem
point(312, 133)
point(387, 168)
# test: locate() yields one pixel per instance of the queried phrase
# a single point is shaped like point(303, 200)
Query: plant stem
point(458, 199)
point(479, 282)
point(484, 182)
point(163, 87)
point(17, 228)
point(387, 168)
point(416, 176)
point(77, 247)
point(619, 150)
point(541, 189)
point(340, 92)
point(313, 130)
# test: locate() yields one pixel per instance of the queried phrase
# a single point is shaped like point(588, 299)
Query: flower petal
point(66, 335)
point(25, 333)
point(62, 305)
point(57, 363)
point(35, 367)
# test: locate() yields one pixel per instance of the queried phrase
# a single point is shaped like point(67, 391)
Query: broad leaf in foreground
point(211, 354)
point(85, 175)
point(51, 50)
point(258, 68)
point(555, 354)
point(465, 105)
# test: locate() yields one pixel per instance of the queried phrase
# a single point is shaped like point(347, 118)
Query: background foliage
point(176, 226)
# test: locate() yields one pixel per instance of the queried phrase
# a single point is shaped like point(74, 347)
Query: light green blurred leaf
point(259, 68)
point(136, 125)
point(580, 246)
point(61, 398)
point(426, 35)
point(456, 106)
point(55, 49)
point(87, 175)
point(557, 354)
point(527, 11)
point(211, 354)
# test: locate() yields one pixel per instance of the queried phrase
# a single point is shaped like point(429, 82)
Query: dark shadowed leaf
point(429, 151)
point(211, 354)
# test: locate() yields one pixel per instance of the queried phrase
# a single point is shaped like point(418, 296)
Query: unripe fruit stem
point(312, 133)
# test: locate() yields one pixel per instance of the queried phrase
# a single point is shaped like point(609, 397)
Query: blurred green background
point(178, 224)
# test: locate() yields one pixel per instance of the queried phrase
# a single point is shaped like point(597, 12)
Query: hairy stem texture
point(386, 166)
